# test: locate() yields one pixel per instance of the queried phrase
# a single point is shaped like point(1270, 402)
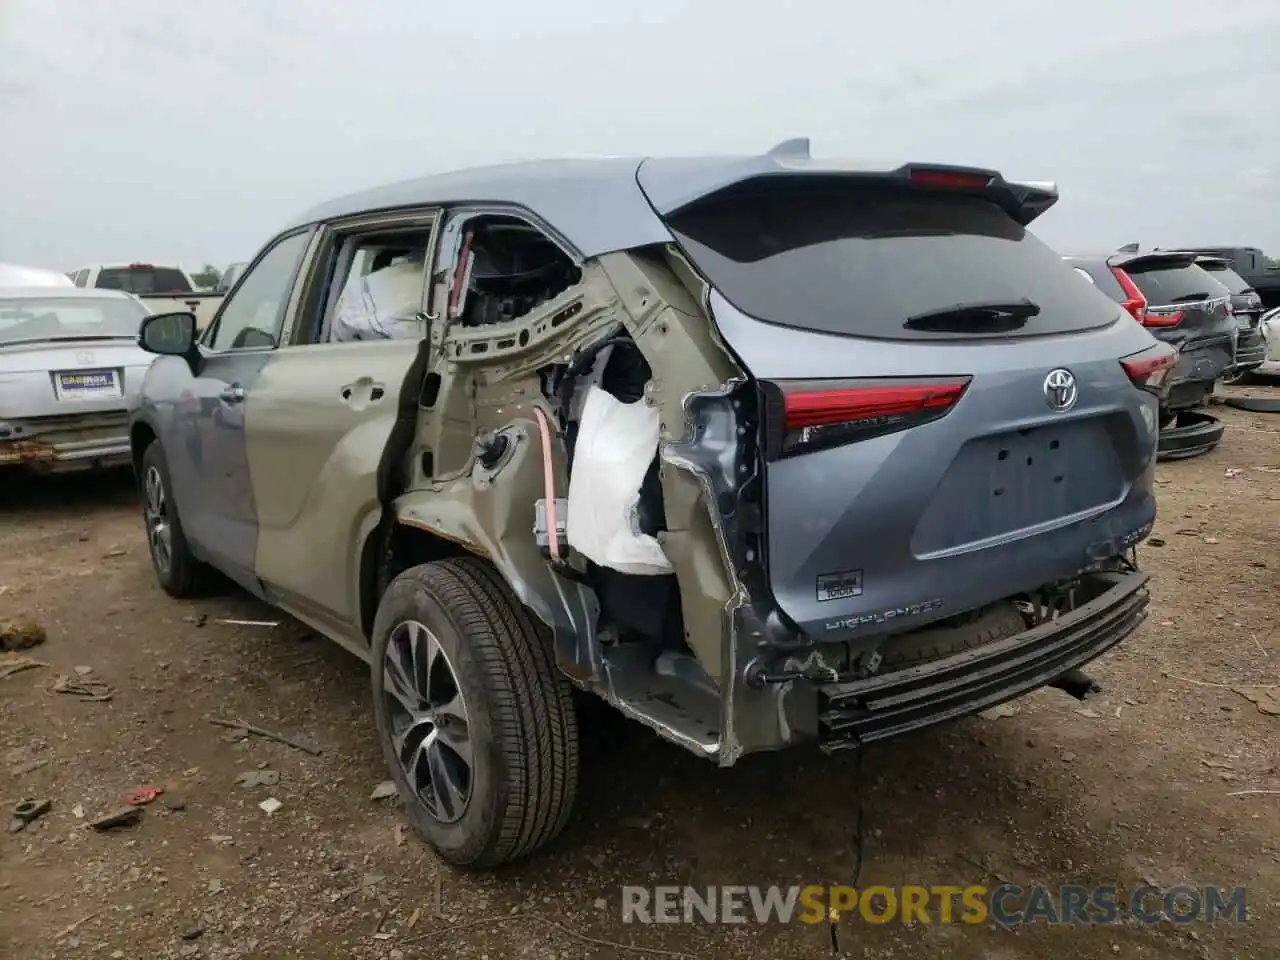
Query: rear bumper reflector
point(863, 711)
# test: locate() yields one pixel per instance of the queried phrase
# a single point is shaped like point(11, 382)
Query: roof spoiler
point(1024, 200)
point(1213, 261)
point(1131, 260)
point(674, 185)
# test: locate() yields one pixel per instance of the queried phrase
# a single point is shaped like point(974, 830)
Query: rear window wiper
point(1191, 297)
point(996, 316)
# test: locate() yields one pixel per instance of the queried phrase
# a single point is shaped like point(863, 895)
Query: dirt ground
point(1140, 785)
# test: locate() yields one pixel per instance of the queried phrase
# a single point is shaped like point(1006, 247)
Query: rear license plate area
point(73, 385)
point(1005, 483)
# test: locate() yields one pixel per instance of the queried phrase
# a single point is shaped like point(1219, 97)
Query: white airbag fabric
point(616, 443)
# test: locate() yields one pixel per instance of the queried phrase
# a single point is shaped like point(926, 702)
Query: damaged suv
point(762, 451)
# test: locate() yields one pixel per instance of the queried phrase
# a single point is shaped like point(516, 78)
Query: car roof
point(136, 263)
point(602, 204)
point(595, 204)
point(64, 293)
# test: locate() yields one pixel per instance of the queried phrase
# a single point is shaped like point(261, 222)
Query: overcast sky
point(176, 132)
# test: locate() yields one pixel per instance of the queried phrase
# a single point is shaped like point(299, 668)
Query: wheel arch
point(391, 548)
point(141, 435)
point(403, 539)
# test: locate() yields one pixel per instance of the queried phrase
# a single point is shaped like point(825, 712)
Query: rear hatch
point(1245, 302)
point(946, 420)
point(1185, 304)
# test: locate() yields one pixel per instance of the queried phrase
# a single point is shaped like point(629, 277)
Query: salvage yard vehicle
point(1182, 305)
point(1246, 307)
point(1269, 324)
point(763, 451)
point(69, 363)
point(1259, 271)
point(162, 288)
point(229, 277)
point(17, 275)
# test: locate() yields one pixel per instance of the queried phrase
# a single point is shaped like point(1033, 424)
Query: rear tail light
point(1163, 316)
point(804, 416)
point(141, 266)
point(1134, 301)
point(949, 179)
point(1151, 368)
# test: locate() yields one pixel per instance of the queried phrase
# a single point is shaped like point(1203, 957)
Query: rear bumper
point(1200, 363)
point(1251, 349)
point(85, 443)
point(881, 707)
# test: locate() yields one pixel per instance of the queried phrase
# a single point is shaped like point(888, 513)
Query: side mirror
point(169, 334)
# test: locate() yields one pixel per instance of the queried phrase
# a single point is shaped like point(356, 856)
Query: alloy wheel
point(156, 514)
point(429, 722)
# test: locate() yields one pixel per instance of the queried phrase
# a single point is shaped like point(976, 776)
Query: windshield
point(53, 318)
point(1163, 285)
point(862, 260)
point(143, 279)
point(1229, 279)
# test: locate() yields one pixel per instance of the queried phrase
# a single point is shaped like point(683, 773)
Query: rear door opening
point(946, 420)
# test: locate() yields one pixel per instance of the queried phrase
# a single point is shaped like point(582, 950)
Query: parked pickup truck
point(162, 288)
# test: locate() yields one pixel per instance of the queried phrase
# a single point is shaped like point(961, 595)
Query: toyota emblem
point(84, 356)
point(1060, 389)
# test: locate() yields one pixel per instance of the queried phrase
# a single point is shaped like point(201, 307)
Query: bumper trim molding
point(888, 705)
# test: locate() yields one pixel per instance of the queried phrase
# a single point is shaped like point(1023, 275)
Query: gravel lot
point(1134, 786)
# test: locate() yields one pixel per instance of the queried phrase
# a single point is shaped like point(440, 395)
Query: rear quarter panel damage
point(490, 382)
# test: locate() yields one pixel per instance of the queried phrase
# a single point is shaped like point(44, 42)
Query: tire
point(996, 622)
point(181, 575)
point(518, 722)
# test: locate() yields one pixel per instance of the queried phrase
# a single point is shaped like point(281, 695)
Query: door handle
point(232, 394)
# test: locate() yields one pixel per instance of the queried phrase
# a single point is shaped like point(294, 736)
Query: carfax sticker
point(838, 586)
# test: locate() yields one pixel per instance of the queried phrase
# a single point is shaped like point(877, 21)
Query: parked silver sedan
point(69, 367)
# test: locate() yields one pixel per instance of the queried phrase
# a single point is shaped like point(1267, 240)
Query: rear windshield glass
point(863, 260)
point(58, 318)
point(1229, 279)
point(143, 280)
point(1100, 275)
point(1162, 284)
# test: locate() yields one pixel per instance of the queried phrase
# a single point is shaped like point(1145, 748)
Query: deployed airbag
point(615, 445)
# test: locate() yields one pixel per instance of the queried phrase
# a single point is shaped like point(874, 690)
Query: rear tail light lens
point(1134, 301)
point(804, 416)
point(1163, 316)
point(1150, 369)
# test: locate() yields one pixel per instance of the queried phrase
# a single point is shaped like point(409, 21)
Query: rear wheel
point(477, 725)
point(179, 573)
point(994, 623)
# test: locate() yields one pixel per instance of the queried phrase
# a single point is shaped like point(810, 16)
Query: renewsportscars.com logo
point(1008, 904)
